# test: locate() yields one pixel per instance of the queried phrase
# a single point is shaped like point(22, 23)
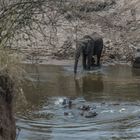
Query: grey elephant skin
point(88, 46)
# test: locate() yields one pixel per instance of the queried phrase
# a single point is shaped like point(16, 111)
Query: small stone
point(91, 114)
point(85, 107)
point(66, 113)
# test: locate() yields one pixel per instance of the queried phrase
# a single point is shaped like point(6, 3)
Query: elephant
point(88, 46)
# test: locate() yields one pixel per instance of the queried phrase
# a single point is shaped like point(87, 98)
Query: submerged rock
point(66, 113)
point(87, 111)
point(86, 107)
point(136, 59)
point(91, 114)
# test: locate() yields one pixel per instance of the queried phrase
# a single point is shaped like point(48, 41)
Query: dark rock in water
point(91, 114)
point(66, 113)
point(136, 59)
point(85, 107)
point(87, 111)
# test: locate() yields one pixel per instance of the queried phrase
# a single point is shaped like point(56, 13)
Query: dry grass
point(10, 65)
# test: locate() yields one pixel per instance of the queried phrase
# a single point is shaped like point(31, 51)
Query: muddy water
point(112, 91)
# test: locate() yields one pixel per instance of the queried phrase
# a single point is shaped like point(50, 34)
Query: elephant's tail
point(77, 55)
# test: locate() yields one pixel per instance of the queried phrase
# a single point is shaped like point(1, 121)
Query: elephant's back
point(98, 41)
point(95, 36)
point(83, 41)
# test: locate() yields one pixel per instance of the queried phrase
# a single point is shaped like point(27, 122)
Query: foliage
point(10, 65)
point(18, 16)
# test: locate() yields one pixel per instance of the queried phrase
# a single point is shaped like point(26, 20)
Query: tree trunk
point(7, 122)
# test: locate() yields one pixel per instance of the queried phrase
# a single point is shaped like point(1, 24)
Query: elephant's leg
point(84, 59)
point(77, 55)
point(98, 58)
point(99, 51)
point(92, 61)
point(89, 61)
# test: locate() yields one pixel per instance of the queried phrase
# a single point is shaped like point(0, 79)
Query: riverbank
point(118, 22)
point(70, 62)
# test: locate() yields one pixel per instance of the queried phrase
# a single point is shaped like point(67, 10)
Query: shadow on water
point(113, 92)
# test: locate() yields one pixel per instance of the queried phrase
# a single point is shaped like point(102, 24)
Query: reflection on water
point(113, 92)
point(89, 85)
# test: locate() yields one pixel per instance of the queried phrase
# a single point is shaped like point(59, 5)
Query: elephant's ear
point(90, 46)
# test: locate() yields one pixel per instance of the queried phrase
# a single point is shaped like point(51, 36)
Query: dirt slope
point(118, 21)
point(119, 24)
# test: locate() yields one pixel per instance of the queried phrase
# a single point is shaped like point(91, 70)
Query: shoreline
point(65, 62)
point(62, 62)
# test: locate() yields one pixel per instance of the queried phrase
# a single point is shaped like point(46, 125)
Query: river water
point(112, 91)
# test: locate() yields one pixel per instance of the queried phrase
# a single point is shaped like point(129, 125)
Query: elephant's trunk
point(77, 55)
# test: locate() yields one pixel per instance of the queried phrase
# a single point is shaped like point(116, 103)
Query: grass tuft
point(10, 65)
